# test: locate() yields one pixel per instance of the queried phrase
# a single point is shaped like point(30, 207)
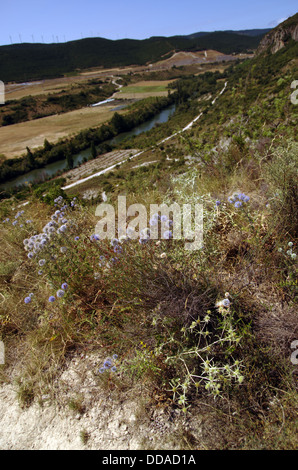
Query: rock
point(279, 36)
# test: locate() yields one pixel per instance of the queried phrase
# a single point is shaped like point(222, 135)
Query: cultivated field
point(20, 90)
point(144, 89)
point(15, 138)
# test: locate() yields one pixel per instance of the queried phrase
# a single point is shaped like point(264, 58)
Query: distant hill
point(243, 32)
point(24, 62)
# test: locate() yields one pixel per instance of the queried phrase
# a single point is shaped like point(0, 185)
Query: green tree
point(93, 150)
point(30, 158)
point(118, 123)
point(69, 159)
point(47, 146)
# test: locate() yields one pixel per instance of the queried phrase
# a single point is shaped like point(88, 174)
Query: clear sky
point(66, 20)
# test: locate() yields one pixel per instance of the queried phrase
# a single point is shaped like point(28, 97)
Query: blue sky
point(66, 20)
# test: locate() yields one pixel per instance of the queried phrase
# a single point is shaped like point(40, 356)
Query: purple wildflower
point(63, 228)
point(94, 237)
point(167, 234)
point(153, 222)
point(60, 293)
point(107, 363)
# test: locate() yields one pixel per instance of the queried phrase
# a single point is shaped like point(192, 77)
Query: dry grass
point(14, 91)
point(15, 138)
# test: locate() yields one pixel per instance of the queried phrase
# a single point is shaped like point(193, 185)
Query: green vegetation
point(207, 332)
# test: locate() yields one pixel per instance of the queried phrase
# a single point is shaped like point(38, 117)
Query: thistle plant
point(202, 366)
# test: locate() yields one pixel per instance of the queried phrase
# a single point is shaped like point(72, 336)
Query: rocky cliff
point(277, 38)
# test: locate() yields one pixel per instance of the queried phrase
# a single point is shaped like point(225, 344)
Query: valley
point(14, 138)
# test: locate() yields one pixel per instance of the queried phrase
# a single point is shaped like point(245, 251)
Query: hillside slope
point(142, 343)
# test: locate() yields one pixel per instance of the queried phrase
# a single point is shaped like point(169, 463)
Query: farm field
point(15, 138)
point(144, 89)
point(20, 90)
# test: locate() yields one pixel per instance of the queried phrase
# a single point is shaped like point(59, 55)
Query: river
point(51, 169)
